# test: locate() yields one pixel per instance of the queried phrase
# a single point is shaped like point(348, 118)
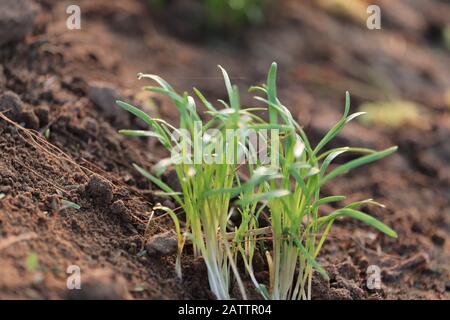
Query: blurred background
point(399, 74)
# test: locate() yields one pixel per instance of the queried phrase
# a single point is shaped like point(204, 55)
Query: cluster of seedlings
point(279, 204)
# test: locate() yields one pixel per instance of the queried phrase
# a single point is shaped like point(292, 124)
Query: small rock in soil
point(164, 243)
point(12, 102)
point(16, 19)
point(119, 209)
point(104, 96)
point(348, 270)
point(16, 110)
point(100, 190)
point(91, 126)
point(354, 291)
point(101, 285)
point(88, 129)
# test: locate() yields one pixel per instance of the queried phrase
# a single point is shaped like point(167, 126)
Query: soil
point(59, 142)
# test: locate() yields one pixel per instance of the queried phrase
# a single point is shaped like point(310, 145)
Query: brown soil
point(66, 81)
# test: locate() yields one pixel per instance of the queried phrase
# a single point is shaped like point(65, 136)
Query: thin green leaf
point(137, 112)
point(232, 93)
point(357, 163)
point(69, 205)
point(311, 260)
point(327, 200)
point(337, 128)
point(140, 133)
point(180, 238)
point(263, 197)
point(272, 92)
point(355, 214)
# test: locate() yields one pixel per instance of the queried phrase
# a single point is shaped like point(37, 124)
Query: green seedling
point(69, 205)
point(298, 225)
point(287, 190)
point(207, 183)
point(32, 262)
point(47, 134)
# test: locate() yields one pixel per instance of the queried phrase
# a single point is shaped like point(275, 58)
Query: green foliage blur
point(224, 14)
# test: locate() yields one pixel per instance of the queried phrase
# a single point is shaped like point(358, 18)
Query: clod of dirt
point(350, 286)
point(339, 294)
point(11, 102)
point(164, 243)
point(100, 190)
point(16, 19)
point(104, 96)
point(42, 113)
point(348, 270)
point(88, 129)
point(119, 209)
point(6, 175)
point(91, 126)
point(101, 284)
point(30, 119)
point(16, 110)
point(343, 284)
point(320, 288)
